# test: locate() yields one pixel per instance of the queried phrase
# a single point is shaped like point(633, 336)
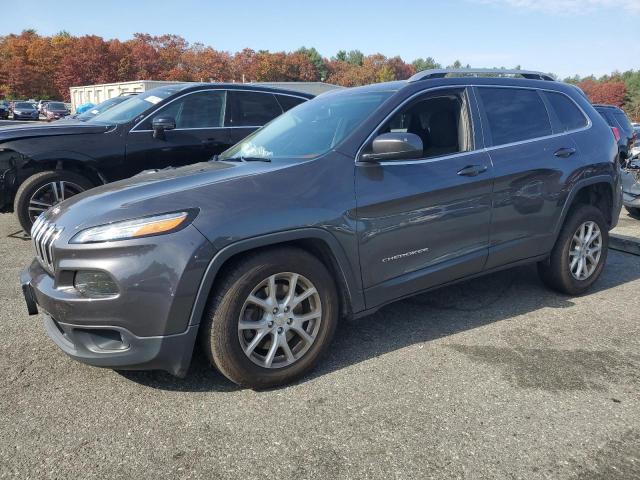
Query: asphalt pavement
point(492, 378)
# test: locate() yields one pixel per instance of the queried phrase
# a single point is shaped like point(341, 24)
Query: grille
point(44, 234)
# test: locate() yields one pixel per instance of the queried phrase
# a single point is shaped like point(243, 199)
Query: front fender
point(353, 293)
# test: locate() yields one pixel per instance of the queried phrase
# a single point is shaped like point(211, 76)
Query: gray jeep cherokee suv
point(345, 203)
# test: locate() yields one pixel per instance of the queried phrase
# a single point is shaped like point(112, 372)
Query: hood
point(153, 192)
point(18, 132)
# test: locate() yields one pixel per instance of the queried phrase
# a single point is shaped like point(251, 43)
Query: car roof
point(601, 106)
point(184, 87)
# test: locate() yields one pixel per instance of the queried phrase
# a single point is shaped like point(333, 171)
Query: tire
point(223, 341)
point(556, 272)
point(73, 183)
point(633, 211)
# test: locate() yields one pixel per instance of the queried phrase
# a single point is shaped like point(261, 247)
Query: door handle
point(565, 152)
point(472, 170)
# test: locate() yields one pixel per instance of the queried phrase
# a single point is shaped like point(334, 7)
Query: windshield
point(24, 105)
point(310, 129)
point(101, 107)
point(127, 111)
point(56, 106)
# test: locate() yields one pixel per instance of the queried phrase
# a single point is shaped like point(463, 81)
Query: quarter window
point(514, 114)
point(569, 115)
point(253, 109)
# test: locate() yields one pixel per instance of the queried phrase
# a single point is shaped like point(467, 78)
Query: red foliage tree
point(611, 92)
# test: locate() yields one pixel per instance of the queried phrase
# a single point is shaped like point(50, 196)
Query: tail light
point(616, 133)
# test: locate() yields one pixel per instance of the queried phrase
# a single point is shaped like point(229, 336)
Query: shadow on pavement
point(423, 318)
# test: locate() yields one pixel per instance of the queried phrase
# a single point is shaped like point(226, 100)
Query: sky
point(565, 37)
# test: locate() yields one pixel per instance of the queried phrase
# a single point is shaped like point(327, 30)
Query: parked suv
point(168, 126)
point(344, 204)
point(622, 129)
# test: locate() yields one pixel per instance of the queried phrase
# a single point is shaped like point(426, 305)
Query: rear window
point(568, 113)
point(287, 102)
point(514, 114)
point(624, 122)
point(253, 109)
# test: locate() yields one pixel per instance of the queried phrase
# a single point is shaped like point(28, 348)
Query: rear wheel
point(271, 318)
point(580, 253)
point(43, 190)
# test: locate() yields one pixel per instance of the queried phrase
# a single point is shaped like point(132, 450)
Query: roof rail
point(441, 73)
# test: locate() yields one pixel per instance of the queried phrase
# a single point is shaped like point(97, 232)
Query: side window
point(253, 109)
point(287, 102)
point(514, 114)
point(195, 110)
point(441, 122)
point(568, 113)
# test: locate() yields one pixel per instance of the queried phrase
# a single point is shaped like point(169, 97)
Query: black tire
point(36, 181)
point(555, 272)
point(219, 335)
point(633, 211)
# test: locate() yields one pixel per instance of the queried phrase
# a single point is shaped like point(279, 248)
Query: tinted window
point(254, 109)
point(24, 106)
point(195, 110)
point(287, 102)
point(609, 119)
point(570, 116)
point(514, 114)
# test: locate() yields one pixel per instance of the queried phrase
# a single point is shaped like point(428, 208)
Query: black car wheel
point(580, 252)
point(270, 318)
point(43, 190)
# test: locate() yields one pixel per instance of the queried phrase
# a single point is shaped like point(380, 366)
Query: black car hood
point(8, 134)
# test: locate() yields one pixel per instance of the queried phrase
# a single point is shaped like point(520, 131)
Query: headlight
point(140, 227)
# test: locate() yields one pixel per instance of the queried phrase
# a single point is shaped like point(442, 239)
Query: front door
point(425, 222)
point(199, 133)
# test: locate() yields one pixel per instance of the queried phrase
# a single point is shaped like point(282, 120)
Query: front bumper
point(148, 325)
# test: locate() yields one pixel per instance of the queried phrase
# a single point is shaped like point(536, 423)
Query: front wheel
point(43, 190)
point(580, 252)
point(271, 318)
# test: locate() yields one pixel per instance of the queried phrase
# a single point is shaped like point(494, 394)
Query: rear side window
point(254, 109)
point(568, 113)
point(514, 114)
point(287, 102)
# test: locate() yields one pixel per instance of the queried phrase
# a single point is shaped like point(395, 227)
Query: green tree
point(428, 63)
point(316, 60)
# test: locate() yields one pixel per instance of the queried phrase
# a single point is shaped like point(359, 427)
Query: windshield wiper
point(247, 159)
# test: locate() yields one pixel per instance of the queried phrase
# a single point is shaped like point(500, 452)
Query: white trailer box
point(99, 93)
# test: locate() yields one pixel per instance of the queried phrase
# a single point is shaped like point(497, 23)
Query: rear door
point(425, 222)
point(532, 157)
point(199, 133)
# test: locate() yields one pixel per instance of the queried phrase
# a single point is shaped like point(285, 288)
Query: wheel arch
point(64, 160)
point(318, 242)
point(590, 191)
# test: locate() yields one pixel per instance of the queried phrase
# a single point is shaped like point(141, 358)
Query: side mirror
point(161, 124)
point(394, 146)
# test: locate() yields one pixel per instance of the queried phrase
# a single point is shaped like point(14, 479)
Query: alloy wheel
point(280, 320)
point(51, 194)
point(585, 250)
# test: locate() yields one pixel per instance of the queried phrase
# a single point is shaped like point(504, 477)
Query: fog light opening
point(94, 283)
